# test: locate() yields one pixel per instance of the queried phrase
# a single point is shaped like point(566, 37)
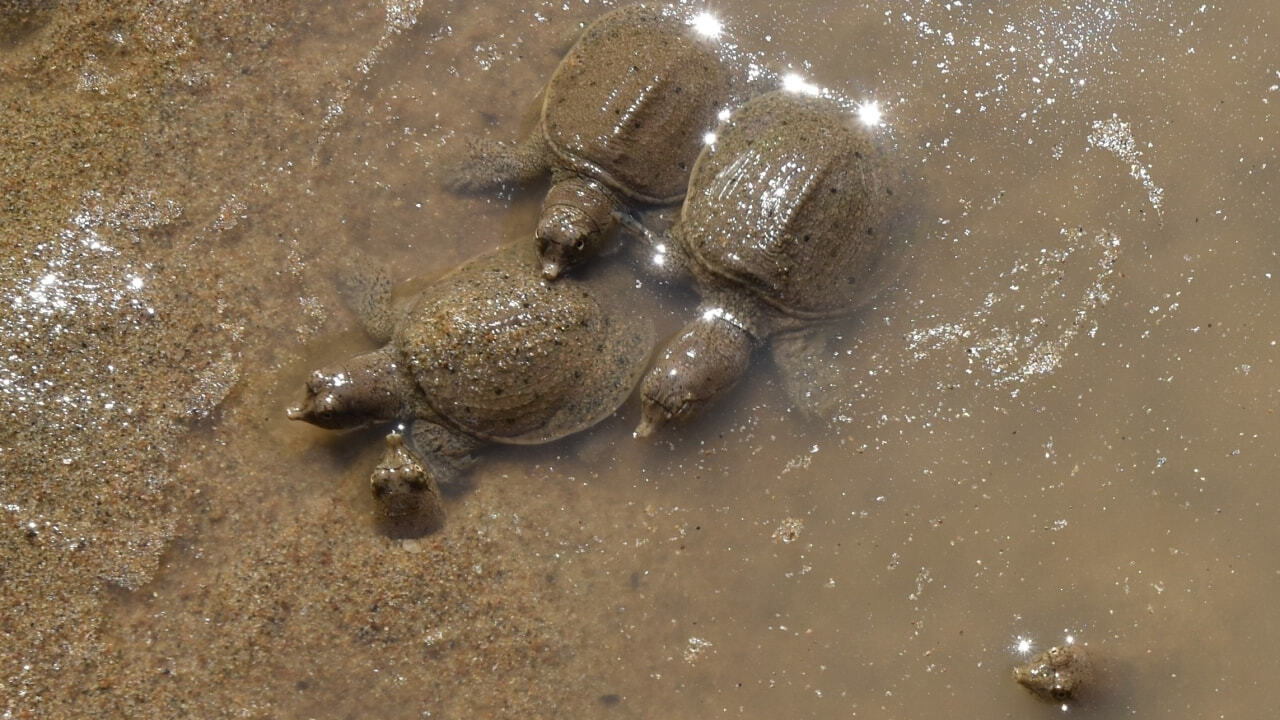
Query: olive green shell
point(630, 103)
point(788, 204)
point(505, 356)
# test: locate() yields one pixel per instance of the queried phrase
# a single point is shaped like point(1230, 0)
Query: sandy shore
point(1058, 421)
point(164, 243)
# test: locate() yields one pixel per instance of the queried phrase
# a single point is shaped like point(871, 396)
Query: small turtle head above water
point(408, 495)
point(325, 405)
point(697, 365)
point(1057, 674)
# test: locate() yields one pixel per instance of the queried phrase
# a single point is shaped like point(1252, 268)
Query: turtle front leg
point(492, 164)
point(811, 380)
point(366, 288)
point(450, 454)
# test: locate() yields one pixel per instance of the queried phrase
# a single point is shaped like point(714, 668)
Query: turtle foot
point(489, 165)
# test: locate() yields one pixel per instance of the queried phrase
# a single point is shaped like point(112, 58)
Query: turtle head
point(577, 215)
point(368, 388)
point(702, 362)
point(331, 401)
point(408, 496)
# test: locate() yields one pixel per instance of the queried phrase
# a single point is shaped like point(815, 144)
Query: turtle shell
point(505, 356)
point(787, 204)
point(638, 85)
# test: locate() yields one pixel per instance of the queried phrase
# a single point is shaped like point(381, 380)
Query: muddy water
point(1054, 421)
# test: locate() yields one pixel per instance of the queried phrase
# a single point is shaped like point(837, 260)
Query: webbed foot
point(811, 376)
point(492, 164)
point(366, 288)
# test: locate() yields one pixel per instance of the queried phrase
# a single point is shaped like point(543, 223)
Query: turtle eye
point(580, 245)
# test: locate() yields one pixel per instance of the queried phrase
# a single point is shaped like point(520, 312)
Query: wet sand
point(1058, 419)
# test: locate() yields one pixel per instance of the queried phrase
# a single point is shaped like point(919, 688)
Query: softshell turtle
point(781, 230)
point(623, 119)
point(490, 353)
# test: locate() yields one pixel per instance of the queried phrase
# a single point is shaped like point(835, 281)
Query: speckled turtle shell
point(787, 204)
point(637, 87)
point(505, 356)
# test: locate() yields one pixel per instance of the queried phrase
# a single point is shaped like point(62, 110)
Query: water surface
point(1053, 422)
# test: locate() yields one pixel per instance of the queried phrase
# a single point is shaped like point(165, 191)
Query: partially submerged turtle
point(1057, 674)
point(491, 353)
point(623, 119)
point(781, 230)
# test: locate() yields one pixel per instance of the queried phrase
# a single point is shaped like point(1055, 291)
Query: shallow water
point(1054, 421)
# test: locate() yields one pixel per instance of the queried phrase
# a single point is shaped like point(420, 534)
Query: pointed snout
point(563, 235)
point(644, 429)
point(653, 415)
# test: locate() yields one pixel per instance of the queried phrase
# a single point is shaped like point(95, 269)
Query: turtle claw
point(409, 503)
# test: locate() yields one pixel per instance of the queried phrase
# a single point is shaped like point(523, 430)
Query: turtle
point(781, 231)
point(622, 121)
point(490, 353)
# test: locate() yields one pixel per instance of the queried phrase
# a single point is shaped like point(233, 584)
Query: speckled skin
point(1057, 674)
point(489, 353)
point(623, 119)
point(781, 230)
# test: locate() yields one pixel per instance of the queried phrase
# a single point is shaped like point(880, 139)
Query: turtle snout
point(659, 403)
point(652, 417)
point(326, 404)
point(564, 232)
point(552, 270)
point(318, 409)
